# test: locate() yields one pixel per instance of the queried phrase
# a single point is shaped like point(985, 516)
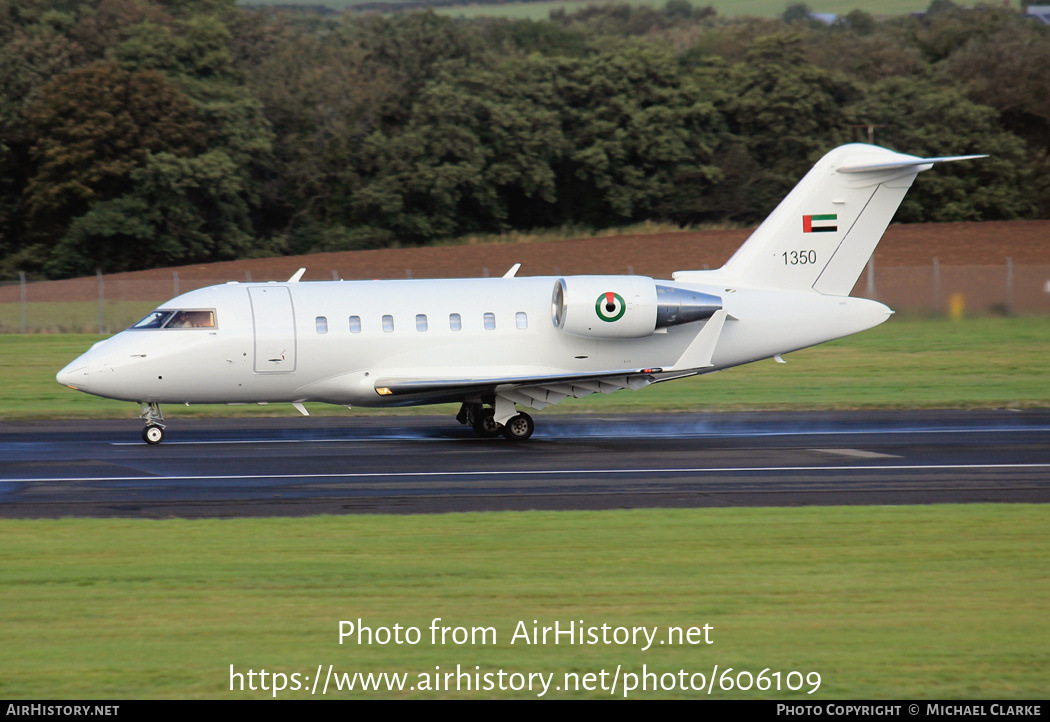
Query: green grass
point(725, 8)
point(939, 602)
point(72, 316)
point(905, 363)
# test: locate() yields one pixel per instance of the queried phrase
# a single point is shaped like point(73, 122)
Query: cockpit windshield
point(156, 319)
point(177, 319)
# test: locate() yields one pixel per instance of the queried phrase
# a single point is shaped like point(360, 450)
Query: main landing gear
point(152, 415)
point(481, 419)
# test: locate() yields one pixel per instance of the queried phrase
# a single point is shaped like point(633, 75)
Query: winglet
point(512, 271)
point(297, 275)
point(699, 352)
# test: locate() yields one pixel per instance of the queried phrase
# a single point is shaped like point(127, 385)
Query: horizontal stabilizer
point(905, 163)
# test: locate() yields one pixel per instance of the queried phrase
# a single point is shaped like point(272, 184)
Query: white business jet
point(496, 344)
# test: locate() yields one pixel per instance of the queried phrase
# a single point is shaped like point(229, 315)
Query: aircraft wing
point(535, 391)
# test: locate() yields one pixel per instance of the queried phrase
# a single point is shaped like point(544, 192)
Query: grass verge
point(725, 8)
point(941, 602)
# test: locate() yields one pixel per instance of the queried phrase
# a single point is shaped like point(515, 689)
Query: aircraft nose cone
point(71, 375)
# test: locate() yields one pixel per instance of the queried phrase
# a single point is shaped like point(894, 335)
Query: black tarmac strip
point(430, 464)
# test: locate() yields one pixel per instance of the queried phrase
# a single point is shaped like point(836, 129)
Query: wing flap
point(533, 391)
point(592, 380)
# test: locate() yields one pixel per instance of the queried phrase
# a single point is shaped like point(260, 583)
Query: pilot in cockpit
point(178, 319)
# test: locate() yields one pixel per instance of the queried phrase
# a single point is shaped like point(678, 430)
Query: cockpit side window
point(192, 319)
point(178, 319)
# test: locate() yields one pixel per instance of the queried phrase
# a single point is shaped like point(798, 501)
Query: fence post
point(175, 281)
point(936, 284)
point(22, 297)
point(101, 301)
point(871, 278)
point(1009, 285)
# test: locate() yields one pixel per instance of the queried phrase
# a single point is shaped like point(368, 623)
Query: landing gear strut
point(481, 419)
point(485, 426)
point(152, 415)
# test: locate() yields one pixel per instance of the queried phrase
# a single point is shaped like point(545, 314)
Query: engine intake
point(612, 307)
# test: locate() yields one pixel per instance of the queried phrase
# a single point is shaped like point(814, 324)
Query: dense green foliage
point(141, 133)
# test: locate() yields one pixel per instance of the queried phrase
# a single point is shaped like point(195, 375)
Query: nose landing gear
point(152, 415)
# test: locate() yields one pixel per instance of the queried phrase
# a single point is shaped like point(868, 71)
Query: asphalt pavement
point(430, 464)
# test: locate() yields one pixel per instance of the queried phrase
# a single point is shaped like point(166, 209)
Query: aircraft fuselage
point(331, 341)
point(495, 344)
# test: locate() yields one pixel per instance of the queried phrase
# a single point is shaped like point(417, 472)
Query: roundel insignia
point(610, 306)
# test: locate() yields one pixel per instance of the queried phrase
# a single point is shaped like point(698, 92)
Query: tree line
point(146, 133)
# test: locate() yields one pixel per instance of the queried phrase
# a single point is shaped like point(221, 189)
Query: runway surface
point(303, 466)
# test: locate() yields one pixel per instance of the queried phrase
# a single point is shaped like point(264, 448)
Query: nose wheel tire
point(519, 428)
point(153, 434)
point(485, 426)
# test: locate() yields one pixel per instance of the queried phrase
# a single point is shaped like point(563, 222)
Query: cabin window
point(490, 321)
point(355, 324)
point(321, 323)
point(421, 322)
point(521, 320)
point(455, 322)
point(388, 324)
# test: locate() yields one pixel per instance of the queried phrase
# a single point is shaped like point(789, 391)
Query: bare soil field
point(656, 255)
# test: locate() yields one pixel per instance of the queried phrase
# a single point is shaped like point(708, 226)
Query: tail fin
point(823, 233)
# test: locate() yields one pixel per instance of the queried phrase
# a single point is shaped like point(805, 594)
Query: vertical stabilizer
point(823, 233)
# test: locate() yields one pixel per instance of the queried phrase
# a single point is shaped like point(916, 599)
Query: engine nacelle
point(613, 307)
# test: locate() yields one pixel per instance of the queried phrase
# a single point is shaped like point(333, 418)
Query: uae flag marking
point(820, 224)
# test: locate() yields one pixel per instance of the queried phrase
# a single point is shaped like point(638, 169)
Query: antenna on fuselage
point(297, 275)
